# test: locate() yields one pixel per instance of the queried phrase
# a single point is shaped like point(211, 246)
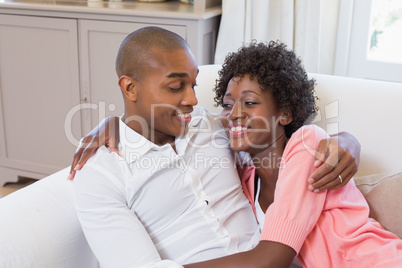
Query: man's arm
point(337, 160)
point(113, 231)
point(337, 157)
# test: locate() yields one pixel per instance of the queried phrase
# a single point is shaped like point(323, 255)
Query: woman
point(267, 98)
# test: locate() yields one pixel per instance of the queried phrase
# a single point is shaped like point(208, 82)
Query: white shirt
point(258, 210)
point(261, 219)
point(156, 208)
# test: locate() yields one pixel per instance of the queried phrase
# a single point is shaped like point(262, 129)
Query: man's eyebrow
point(174, 75)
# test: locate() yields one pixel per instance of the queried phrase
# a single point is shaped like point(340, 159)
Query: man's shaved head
point(137, 50)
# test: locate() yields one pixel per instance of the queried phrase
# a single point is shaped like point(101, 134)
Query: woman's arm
point(337, 161)
point(292, 215)
point(106, 133)
point(265, 254)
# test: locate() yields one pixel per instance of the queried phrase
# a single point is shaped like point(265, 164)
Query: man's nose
point(189, 97)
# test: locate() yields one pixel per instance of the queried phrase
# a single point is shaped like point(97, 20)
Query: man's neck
point(149, 134)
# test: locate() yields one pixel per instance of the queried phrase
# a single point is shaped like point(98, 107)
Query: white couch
point(39, 227)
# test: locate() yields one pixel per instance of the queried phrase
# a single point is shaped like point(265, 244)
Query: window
point(372, 45)
point(385, 34)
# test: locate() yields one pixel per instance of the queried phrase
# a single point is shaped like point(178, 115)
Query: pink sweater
point(327, 229)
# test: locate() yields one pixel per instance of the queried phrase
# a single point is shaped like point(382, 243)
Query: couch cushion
point(383, 194)
point(39, 227)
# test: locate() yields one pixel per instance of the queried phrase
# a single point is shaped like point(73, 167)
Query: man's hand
point(106, 133)
point(337, 160)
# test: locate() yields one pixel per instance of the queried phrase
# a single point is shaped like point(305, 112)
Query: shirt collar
point(198, 124)
point(134, 145)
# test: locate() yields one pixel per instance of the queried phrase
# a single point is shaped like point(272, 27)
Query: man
point(173, 195)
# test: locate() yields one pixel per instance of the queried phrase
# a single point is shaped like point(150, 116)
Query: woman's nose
point(236, 112)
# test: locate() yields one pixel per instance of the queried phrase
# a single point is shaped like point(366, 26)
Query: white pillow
point(39, 227)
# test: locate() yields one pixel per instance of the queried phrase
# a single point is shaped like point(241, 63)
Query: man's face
point(166, 95)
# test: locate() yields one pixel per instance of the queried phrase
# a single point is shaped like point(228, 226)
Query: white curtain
point(309, 27)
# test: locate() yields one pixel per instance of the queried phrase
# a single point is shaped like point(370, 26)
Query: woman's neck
point(267, 163)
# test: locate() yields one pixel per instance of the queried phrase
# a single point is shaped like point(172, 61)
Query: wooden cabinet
point(57, 75)
point(39, 84)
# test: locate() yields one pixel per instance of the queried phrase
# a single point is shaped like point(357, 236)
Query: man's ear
point(128, 86)
point(286, 118)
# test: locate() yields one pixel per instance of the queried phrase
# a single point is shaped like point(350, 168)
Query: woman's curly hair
point(277, 69)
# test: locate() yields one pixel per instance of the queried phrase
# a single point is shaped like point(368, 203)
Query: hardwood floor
point(9, 188)
point(5, 191)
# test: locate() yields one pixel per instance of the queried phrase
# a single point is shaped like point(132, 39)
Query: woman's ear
point(286, 118)
point(128, 86)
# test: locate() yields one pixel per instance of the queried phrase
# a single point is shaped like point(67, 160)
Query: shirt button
point(209, 214)
point(220, 231)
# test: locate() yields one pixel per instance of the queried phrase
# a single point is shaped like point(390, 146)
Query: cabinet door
point(39, 86)
point(99, 44)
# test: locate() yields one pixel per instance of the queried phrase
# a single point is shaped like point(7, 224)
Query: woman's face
point(250, 116)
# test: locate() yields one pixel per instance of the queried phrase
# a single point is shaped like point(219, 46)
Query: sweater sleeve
point(295, 210)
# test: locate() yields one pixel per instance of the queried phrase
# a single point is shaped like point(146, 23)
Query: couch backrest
point(370, 110)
